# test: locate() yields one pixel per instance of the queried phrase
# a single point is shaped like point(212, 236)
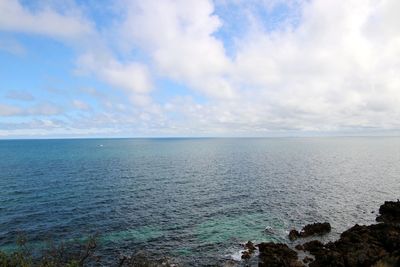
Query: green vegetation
point(71, 254)
point(74, 255)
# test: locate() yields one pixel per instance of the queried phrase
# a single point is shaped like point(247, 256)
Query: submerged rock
point(274, 255)
point(389, 212)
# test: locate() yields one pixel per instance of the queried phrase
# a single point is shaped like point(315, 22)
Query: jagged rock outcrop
point(277, 255)
point(389, 212)
point(310, 230)
point(250, 248)
point(376, 245)
point(358, 246)
point(313, 246)
point(294, 234)
point(315, 229)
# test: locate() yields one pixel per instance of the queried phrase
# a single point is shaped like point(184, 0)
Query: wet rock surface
point(315, 229)
point(246, 255)
point(375, 245)
point(294, 234)
point(274, 255)
point(250, 248)
point(358, 246)
point(307, 259)
point(389, 212)
point(313, 246)
point(310, 230)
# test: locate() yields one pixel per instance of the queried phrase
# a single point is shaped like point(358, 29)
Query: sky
point(165, 68)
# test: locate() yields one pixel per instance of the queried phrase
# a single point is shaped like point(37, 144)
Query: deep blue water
point(192, 199)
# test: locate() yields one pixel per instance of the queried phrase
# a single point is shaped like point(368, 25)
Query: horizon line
point(193, 137)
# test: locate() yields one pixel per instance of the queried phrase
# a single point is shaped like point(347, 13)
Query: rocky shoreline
point(375, 245)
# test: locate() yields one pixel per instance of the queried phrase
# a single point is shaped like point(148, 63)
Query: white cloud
point(134, 78)
point(336, 69)
point(333, 70)
point(38, 109)
point(46, 21)
point(70, 24)
point(178, 36)
point(328, 67)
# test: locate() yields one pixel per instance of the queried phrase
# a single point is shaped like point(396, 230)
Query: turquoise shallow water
point(192, 199)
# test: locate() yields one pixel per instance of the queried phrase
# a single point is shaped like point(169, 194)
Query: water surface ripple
point(193, 199)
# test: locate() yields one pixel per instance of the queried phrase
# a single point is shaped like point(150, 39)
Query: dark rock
point(313, 246)
point(249, 250)
point(294, 234)
point(376, 245)
point(277, 255)
point(315, 229)
point(392, 260)
point(250, 246)
point(389, 212)
point(299, 247)
point(310, 229)
point(307, 259)
point(329, 259)
point(246, 255)
point(358, 246)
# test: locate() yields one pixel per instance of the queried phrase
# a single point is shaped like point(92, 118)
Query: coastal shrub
point(73, 254)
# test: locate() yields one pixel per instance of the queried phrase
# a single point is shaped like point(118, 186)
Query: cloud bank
point(243, 68)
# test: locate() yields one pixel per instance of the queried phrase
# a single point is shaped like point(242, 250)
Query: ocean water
point(195, 200)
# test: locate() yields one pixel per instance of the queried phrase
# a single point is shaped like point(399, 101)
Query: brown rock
point(274, 255)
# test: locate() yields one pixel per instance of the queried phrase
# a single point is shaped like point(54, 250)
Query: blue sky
point(130, 68)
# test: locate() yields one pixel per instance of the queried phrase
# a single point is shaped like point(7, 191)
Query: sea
point(194, 200)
